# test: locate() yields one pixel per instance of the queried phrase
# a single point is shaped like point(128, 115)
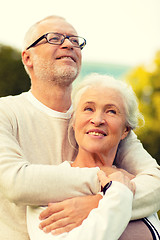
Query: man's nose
point(67, 43)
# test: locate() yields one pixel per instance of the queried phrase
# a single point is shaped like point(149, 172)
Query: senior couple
point(40, 166)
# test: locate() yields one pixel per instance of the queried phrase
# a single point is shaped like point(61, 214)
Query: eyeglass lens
point(56, 38)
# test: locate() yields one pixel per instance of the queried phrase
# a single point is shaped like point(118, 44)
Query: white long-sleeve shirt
point(107, 222)
point(33, 142)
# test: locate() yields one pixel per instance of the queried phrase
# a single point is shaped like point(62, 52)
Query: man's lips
point(66, 57)
point(96, 132)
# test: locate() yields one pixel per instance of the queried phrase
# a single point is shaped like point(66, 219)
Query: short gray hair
point(32, 32)
point(95, 80)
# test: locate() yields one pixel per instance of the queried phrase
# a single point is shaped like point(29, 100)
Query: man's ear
point(26, 58)
point(125, 133)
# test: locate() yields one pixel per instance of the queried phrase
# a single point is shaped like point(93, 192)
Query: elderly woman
point(104, 112)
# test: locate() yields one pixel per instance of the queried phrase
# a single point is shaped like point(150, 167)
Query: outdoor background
point(123, 40)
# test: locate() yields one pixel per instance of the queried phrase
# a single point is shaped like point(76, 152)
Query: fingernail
point(45, 230)
point(40, 226)
point(53, 232)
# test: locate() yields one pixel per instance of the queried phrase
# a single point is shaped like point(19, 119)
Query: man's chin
point(67, 77)
point(69, 73)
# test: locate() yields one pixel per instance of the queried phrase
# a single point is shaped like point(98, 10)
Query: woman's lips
point(96, 132)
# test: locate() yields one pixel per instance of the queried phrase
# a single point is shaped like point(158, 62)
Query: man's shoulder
point(12, 99)
point(11, 103)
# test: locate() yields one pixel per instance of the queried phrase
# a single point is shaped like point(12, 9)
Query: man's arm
point(36, 184)
point(21, 182)
point(136, 160)
point(68, 214)
point(101, 222)
point(133, 157)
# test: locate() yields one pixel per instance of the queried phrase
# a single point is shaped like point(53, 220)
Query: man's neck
point(55, 97)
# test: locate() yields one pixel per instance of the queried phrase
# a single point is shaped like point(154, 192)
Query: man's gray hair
point(32, 32)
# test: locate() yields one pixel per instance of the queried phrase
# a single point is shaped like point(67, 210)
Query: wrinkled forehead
point(102, 95)
point(101, 90)
point(55, 25)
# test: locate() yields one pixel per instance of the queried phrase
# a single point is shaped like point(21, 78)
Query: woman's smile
point(96, 132)
point(100, 120)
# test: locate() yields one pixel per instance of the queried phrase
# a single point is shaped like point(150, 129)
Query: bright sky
point(117, 31)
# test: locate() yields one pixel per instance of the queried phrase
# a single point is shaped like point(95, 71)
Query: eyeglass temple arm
point(83, 44)
point(38, 40)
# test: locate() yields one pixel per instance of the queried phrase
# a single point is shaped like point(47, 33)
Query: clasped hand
point(63, 216)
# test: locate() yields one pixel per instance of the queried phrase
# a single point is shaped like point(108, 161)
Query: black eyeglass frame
point(81, 46)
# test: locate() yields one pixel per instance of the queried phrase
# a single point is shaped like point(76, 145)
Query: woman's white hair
point(129, 98)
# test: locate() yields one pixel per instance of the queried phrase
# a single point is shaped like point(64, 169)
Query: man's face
point(58, 63)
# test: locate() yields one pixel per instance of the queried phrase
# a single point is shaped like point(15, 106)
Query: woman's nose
point(98, 119)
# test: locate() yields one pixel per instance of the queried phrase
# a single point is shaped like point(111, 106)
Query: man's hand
point(64, 216)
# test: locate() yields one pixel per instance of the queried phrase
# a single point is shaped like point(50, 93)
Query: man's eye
point(54, 39)
point(75, 41)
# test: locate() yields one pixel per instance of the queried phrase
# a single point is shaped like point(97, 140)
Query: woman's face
point(99, 123)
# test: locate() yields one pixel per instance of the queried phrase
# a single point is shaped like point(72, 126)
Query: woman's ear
point(125, 133)
point(72, 121)
point(73, 125)
point(26, 58)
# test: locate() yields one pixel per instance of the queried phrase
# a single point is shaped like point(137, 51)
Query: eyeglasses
point(58, 39)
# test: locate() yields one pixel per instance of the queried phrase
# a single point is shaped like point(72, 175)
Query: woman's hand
point(118, 176)
point(109, 170)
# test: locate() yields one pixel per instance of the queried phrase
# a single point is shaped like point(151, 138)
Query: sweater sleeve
point(107, 222)
point(136, 160)
point(30, 184)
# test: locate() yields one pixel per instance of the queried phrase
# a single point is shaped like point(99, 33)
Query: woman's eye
point(112, 111)
point(88, 109)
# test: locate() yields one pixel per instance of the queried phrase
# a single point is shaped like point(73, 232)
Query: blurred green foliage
point(13, 78)
point(145, 81)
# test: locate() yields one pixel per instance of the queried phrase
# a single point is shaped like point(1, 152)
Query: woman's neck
point(87, 159)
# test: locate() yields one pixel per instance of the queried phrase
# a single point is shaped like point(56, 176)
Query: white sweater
point(33, 139)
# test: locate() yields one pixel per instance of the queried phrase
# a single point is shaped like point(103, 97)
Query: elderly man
point(34, 140)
